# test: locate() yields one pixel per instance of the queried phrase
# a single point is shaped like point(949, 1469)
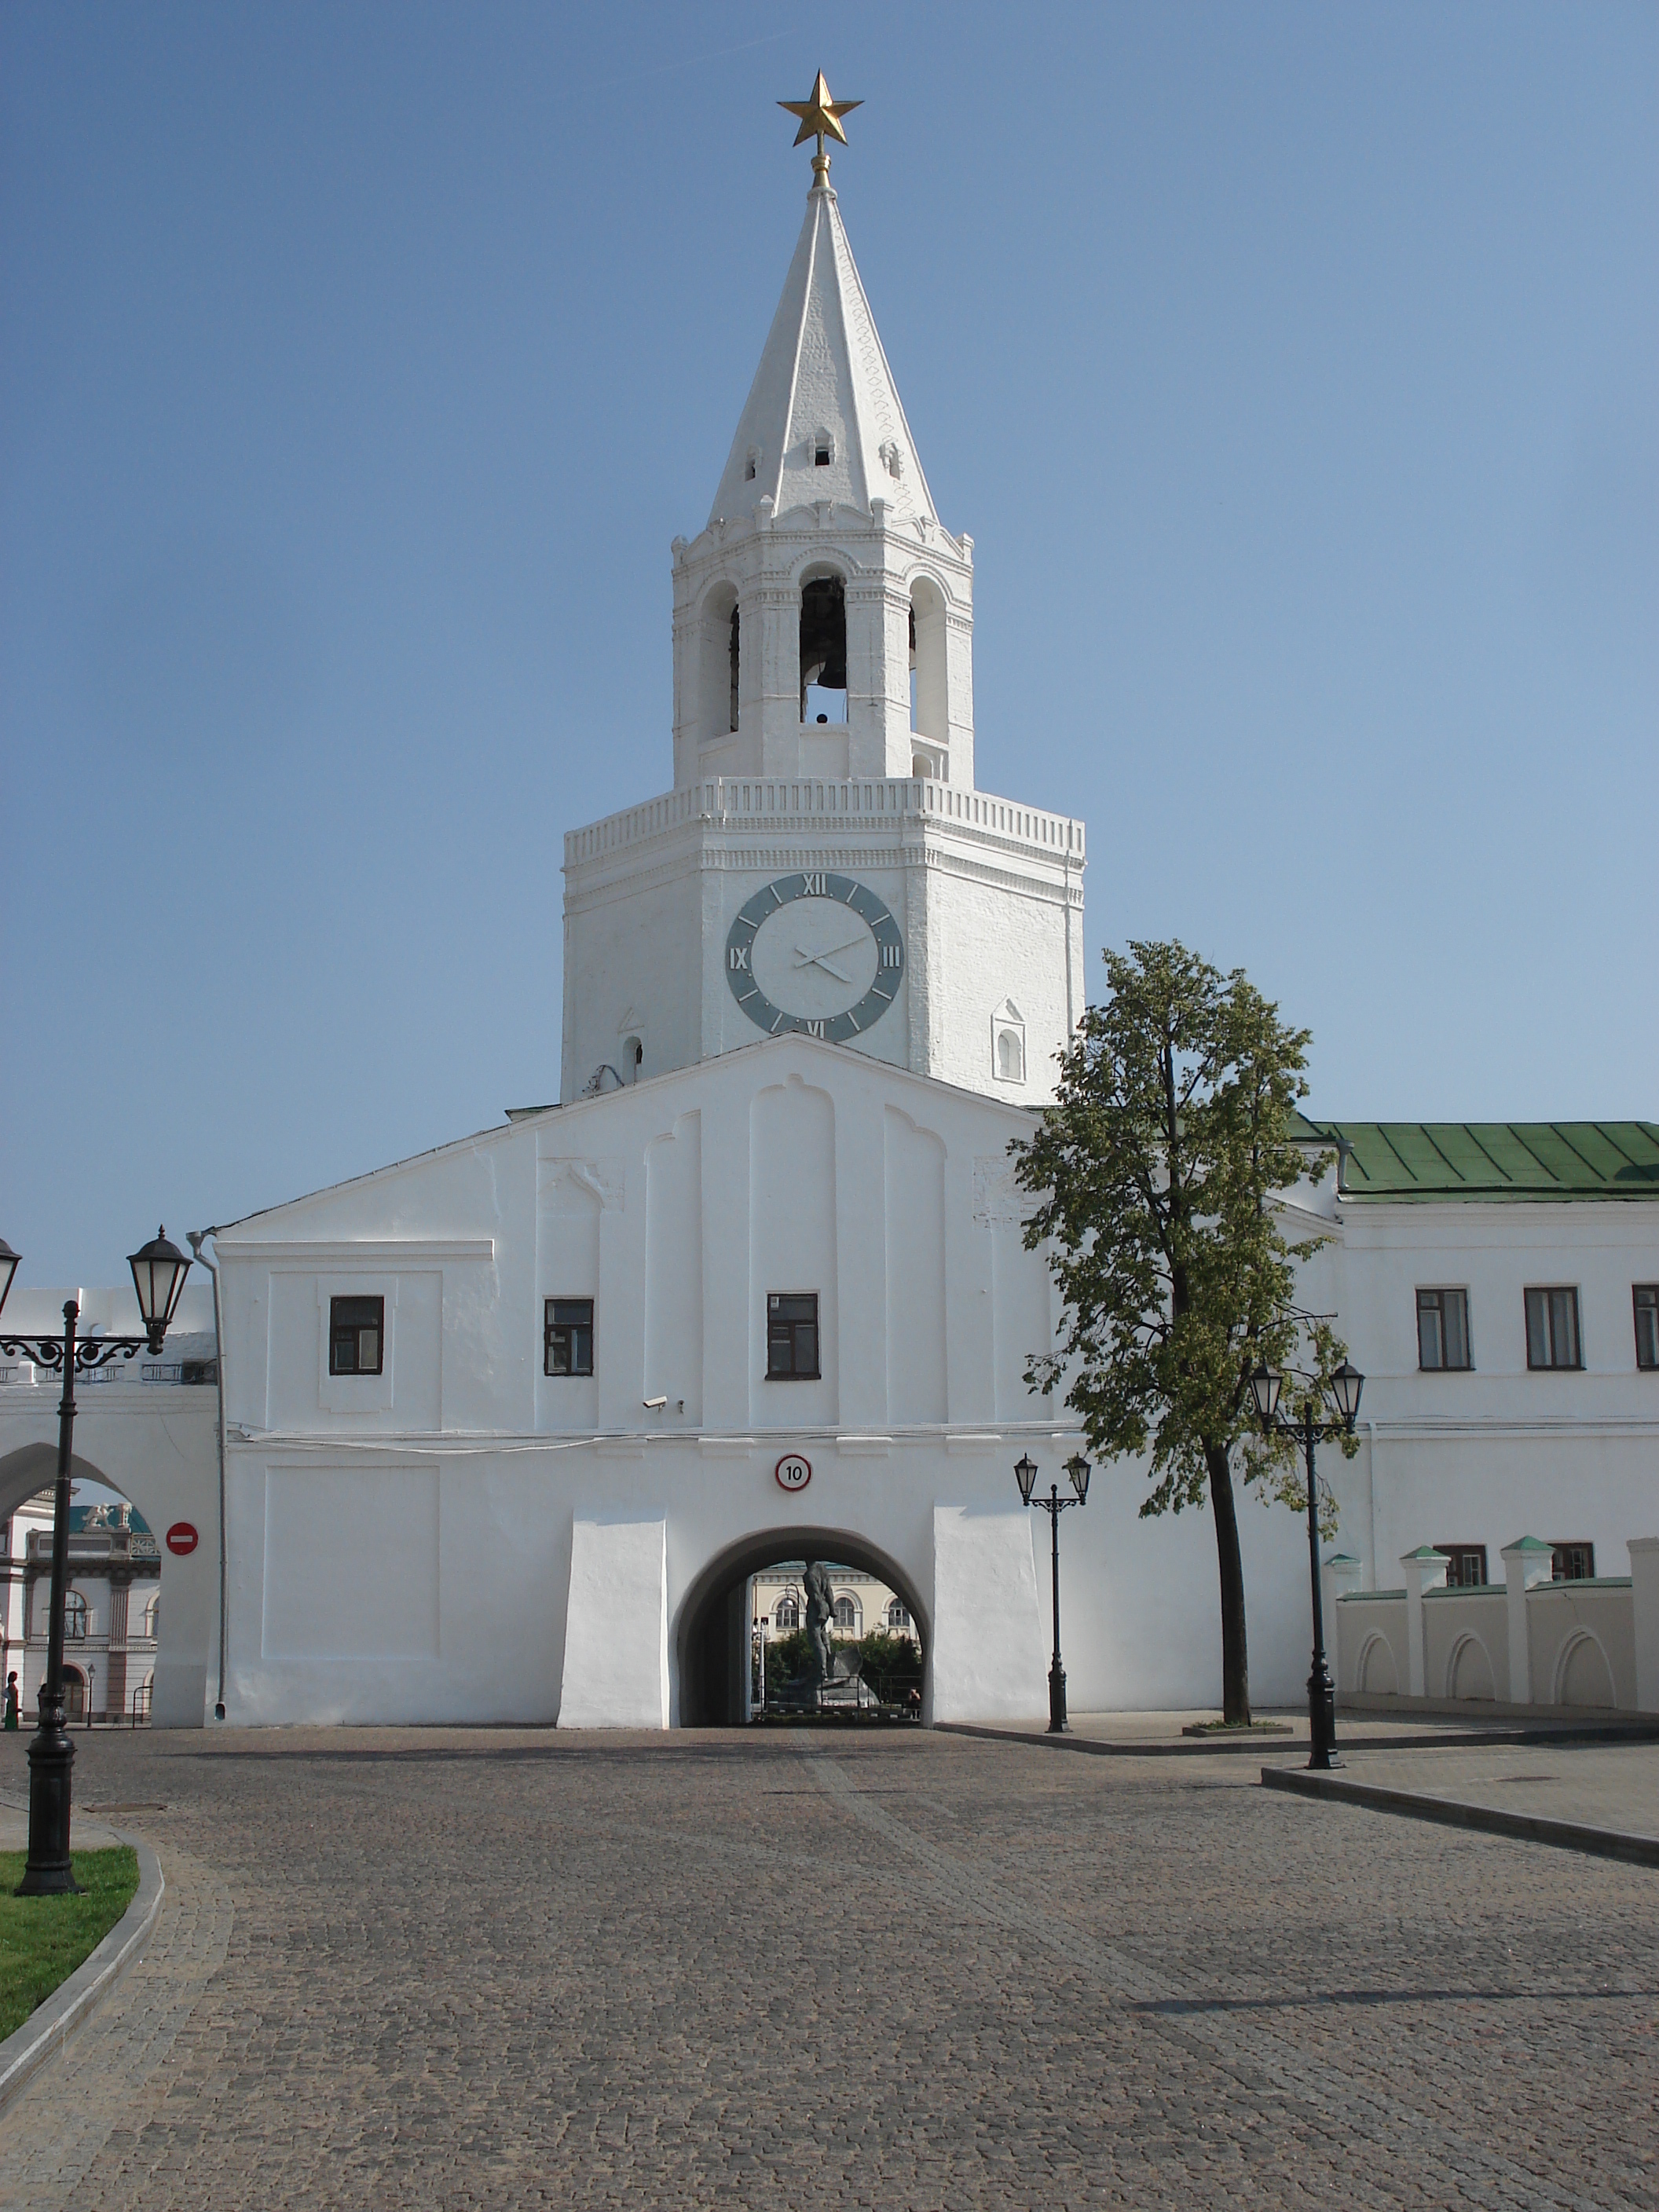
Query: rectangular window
point(1466, 1565)
point(1552, 1328)
point(1443, 1328)
point(1572, 1563)
point(1646, 1297)
point(356, 1336)
point(567, 1337)
point(792, 1336)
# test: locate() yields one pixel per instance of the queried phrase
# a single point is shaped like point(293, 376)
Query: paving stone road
point(402, 1968)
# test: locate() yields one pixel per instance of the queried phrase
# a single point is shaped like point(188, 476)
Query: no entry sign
point(182, 1537)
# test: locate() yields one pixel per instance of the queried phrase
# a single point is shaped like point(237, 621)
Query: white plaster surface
point(616, 1636)
point(989, 1663)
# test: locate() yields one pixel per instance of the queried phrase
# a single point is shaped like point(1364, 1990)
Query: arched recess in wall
point(822, 646)
point(930, 698)
point(1376, 1673)
point(719, 662)
point(791, 1242)
point(914, 1207)
point(1582, 1676)
point(1468, 1671)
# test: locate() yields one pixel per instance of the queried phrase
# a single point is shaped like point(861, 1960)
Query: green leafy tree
point(891, 1664)
point(1156, 1170)
point(789, 1657)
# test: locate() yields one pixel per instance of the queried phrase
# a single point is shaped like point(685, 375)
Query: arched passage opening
point(113, 1620)
point(720, 1626)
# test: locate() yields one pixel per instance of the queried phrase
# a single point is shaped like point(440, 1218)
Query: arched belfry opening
point(823, 650)
point(930, 701)
point(720, 664)
point(751, 1605)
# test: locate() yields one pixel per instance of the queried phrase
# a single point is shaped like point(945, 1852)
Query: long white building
point(508, 1428)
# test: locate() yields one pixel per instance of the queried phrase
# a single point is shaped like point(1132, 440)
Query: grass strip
point(44, 1939)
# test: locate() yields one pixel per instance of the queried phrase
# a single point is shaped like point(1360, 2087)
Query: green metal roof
point(1433, 1161)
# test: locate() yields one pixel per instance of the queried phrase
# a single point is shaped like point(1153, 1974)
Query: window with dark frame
point(1572, 1563)
point(1552, 1327)
point(1443, 1328)
point(1466, 1565)
point(357, 1336)
point(1645, 1298)
point(568, 1336)
point(792, 1336)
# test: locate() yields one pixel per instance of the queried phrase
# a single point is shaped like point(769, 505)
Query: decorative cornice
point(381, 1252)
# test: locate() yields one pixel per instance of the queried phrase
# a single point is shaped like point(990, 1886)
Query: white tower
point(824, 861)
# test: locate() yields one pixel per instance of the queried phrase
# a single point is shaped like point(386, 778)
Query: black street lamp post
point(1346, 1384)
point(1025, 1474)
point(158, 1275)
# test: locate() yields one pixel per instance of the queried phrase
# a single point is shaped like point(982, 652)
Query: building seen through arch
point(112, 1613)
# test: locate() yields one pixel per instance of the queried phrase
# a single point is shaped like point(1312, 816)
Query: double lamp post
point(1311, 1428)
point(1025, 1474)
point(158, 1275)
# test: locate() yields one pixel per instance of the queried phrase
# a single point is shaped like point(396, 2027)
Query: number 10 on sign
point(792, 1471)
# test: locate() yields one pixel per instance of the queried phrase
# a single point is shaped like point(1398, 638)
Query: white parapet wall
point(1526, 1641)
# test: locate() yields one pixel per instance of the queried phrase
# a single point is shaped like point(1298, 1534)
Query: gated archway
point(714, 1630)
point(112, 1617)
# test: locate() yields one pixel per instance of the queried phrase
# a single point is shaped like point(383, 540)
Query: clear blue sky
point(1292, 366)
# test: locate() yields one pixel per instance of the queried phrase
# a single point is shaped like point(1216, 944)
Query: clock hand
point(818, 960)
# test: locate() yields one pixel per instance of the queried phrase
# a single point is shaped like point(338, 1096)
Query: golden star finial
point(820, 118)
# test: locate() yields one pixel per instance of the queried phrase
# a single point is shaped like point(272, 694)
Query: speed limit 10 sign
point(792, 1471)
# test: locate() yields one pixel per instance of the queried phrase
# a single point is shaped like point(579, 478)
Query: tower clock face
point(819, 953)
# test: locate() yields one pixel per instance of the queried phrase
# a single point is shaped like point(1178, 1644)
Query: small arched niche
point(1008, 1043)
point(823, 649)
point(930, 705)
point(719, 662)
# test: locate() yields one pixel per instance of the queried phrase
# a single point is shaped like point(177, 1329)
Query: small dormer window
point(751, 466)
point(823, 450)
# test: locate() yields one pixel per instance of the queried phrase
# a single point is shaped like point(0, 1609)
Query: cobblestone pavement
point(402, 1968)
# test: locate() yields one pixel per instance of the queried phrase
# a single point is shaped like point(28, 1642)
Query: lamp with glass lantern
point(159, 1269)
point(1346, 1385)
point(1025, 1474)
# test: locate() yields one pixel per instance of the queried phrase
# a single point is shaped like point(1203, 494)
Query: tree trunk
point(1235, 1654)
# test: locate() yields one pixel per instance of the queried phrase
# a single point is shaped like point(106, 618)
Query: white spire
point(823, 382)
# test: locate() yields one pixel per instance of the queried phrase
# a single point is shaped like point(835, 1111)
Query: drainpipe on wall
point(1371, 1498)
point(196, 1239)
